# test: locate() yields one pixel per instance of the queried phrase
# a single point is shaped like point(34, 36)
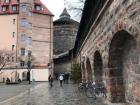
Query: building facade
point(107, 47)
point(26, 30)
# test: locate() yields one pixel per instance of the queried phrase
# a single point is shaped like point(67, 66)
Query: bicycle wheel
point(81, 88)
point(90, 93)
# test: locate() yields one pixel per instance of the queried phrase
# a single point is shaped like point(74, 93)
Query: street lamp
point(29, 69)
point(16, 79)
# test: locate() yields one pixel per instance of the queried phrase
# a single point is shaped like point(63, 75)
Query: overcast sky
point(55, 6)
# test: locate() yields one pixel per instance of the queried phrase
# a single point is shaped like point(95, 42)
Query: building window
point(14, 8)
point(13, 46)
point(23, 37)
point(13, 34)
point(29, 13)
point(42, 8)
point(30, 40)
point(22, 51)
point(23, 8)
point(13, 59)
point(30, 26)
point(22, 63)
point(7, 1)
point(4, 8)
point(29, 53)
point(1, 59)
point(8, 59)
point(38, 7)
point(23, 23)
point(14, 20)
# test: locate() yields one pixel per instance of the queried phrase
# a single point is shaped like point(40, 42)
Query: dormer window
point(14, 8)
point(7, 1)
point(4, 8)
point(42, 8)
point(38, 7)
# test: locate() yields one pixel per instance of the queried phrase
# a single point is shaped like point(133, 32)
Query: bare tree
point(76, 7)
point(5, 58)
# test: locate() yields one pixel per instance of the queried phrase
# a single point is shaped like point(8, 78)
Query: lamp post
point(29, 69)
point(16, 79)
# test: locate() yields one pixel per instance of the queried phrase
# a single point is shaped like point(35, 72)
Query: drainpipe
point(50, 55)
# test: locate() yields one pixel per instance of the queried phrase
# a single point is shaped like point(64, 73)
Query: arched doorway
point(121, 48)
point(83, 73)
point(89, 70)
point(98, 67)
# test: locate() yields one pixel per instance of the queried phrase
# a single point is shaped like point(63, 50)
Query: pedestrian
point(50, 80)
point(56, 76)
point(67, 78)
point(61, 78)
point(7, 80)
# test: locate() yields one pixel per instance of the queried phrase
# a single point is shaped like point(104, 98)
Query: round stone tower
point(65, 31)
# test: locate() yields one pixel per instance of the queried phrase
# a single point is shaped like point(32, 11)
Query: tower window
point(14, 20)
point(8, 59)
point(23, 8)
point(23, 23)
point(12, 59)
point(29, 13)
point(13, 46)
point(30, 26)
point(23, 37)
point(29, 40)
point(13, 34)
point(29, 53)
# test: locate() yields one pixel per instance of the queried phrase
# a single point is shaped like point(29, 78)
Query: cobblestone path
point(42, 94)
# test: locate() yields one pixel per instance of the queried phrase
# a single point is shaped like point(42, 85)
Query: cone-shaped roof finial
point(65, 14)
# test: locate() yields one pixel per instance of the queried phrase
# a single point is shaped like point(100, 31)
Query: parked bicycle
point(82, 87)
point(90, 90)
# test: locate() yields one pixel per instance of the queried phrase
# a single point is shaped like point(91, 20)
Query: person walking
point(61, 78)
point(50, 80)
point(67, 78)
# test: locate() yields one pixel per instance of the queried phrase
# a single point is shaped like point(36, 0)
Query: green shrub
point(75, 72)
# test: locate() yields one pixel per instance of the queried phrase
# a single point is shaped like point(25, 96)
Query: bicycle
point(82, 87)
point(90, 91)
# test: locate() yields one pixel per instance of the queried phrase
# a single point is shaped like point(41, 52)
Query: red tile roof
point(8, 5)
point(14, 2)
point(45, 9)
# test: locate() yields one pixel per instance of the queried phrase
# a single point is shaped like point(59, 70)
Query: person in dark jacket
point(50, 79)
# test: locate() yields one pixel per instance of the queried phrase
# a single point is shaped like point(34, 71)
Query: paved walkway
point(42, 94)
point(8, 91)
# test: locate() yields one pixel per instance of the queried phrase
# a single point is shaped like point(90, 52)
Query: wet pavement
point(43, 94)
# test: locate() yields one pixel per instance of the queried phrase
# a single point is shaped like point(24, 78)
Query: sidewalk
point(42, 94)
point(8, 91)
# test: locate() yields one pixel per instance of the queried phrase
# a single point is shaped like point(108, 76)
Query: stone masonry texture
point(111, 51)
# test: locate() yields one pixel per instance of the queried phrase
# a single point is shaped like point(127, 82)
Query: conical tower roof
point(65, 18)
point(65, 14)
